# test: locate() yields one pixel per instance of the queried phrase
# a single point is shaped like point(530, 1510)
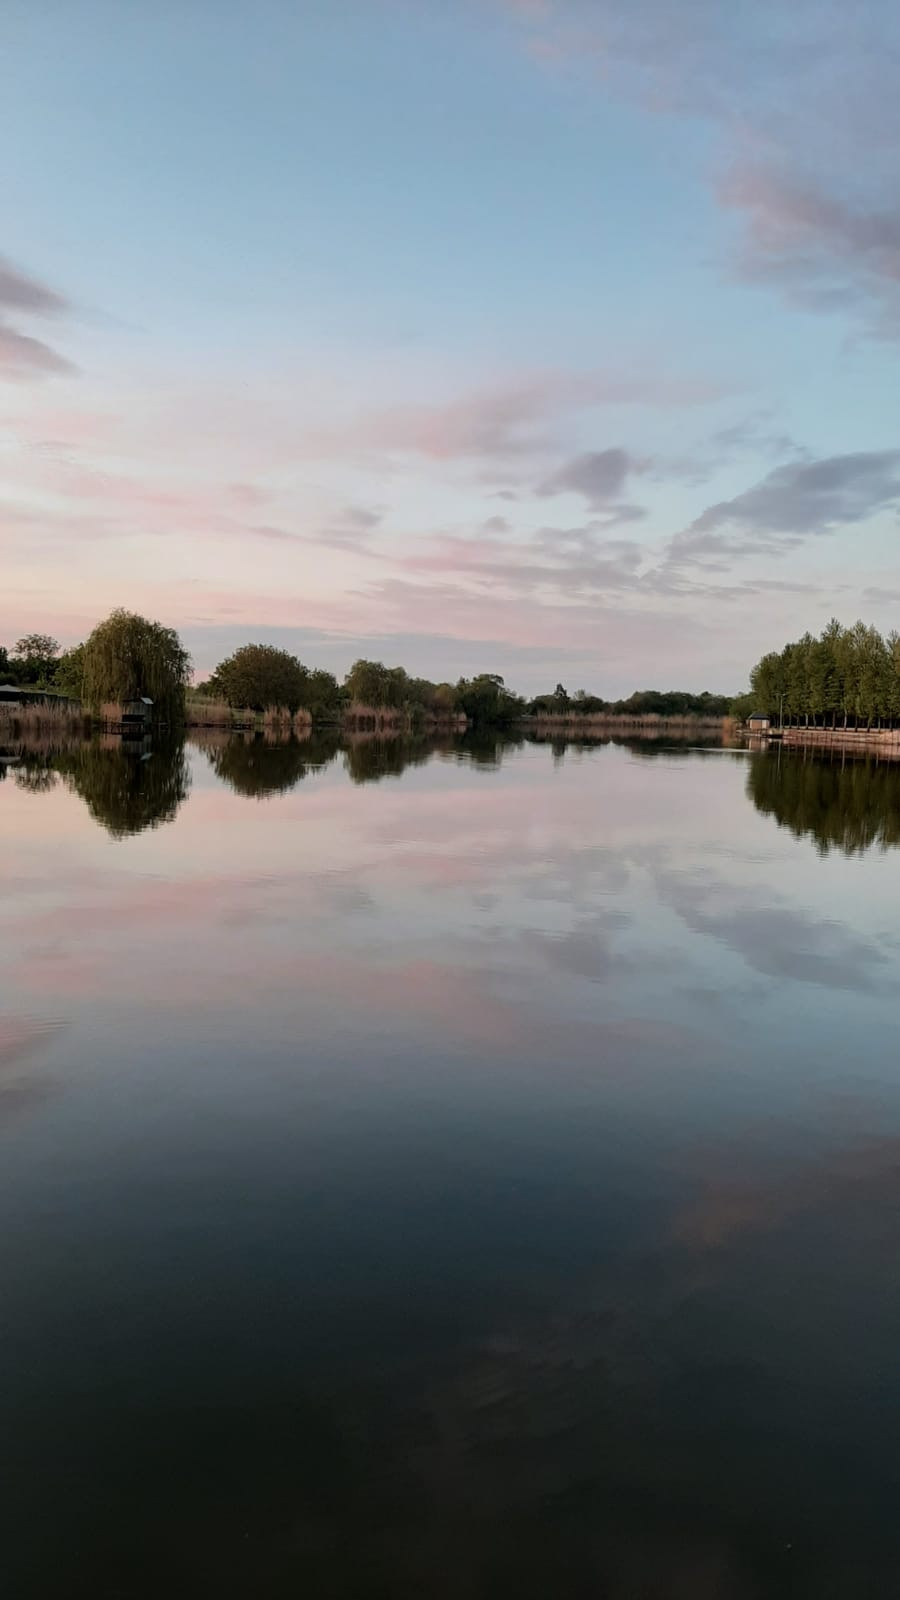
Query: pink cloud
point(820, 249)
point(247, 494)
point(809, 91)
point(23, 356)
point(503, 421)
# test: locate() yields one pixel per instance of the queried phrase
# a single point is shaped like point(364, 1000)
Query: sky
point(556, 338)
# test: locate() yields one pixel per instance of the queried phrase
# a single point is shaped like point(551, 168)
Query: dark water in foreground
point(483, 1181)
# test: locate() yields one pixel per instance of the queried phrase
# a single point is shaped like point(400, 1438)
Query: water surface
point(468, 1171)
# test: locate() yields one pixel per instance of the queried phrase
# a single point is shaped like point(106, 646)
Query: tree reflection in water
point(845, 804)
point(257, 765)
point(127, 787)
point(368, 759)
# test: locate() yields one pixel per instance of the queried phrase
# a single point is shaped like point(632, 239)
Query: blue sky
point(558, 338)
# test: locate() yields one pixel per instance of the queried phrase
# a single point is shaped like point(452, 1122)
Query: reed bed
point(17, 720)
point(359, 718)
point(202, 713)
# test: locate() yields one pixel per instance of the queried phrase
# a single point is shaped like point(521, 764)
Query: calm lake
point(457, 1172)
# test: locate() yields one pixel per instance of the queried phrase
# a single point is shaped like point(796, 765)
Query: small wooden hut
point(759, 722)
point(137, 714)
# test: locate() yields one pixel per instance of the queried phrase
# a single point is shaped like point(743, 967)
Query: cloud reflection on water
point(474, 1135)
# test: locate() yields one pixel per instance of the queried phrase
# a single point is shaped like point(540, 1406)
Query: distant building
point(19, 694)
point(759, 722)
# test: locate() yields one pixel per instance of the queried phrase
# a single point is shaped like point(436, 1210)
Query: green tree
point(767, 685)
point(851, 673)
point(486, 700)
point(35, 656)
point(371, 683)
point(367, 683)
point(325, 696)
point(128, 656)
point(259, 676)
point(893, 675)
point(849, 668)
point(832, 682)
point(68, 674)
point(743, 706)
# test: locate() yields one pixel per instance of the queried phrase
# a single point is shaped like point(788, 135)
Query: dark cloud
point(349, 531)
point(21, 354)
point(21, 293)
point(821, 250)
point(791, 504)
point(599, 475)
point(360, 517)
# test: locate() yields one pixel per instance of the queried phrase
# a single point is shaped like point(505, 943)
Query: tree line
point(643, 703)
point(848, 677)
point(127, 656)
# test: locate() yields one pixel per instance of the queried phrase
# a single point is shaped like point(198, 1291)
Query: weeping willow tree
point(128, 656)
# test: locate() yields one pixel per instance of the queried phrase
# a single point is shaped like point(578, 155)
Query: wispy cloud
point(21, 354)
point(18, 292)
point(821, 250)
point(807, 123)
point(350, 531)
point(502, 422)
point(565, 562)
